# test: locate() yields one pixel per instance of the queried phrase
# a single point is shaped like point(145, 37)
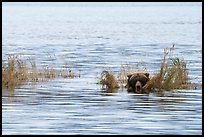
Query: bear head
point(136, 81)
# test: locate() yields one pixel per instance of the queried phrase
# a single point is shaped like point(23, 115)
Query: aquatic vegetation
point(14, 73)
point(111, 81)
point(108, 80)
point(17, 71)
point(173, 74)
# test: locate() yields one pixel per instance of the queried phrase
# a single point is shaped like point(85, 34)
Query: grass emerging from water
point(173, 74)
point(111, 81)
point(17, 71)
point(108, 80)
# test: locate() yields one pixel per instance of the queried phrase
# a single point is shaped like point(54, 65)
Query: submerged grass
point(173, 74)
point(17, 71)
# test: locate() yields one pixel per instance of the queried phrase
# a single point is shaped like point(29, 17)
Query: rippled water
point(91, 37)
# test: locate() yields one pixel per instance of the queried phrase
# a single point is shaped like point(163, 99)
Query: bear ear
point(129, 75)
point(147, 75)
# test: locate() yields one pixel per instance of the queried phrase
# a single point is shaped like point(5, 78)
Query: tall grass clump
point(17, 71)
point(173, 73)
point(108, 80)
point(14, 73)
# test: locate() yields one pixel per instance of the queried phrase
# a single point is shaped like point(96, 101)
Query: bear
point(136, 82)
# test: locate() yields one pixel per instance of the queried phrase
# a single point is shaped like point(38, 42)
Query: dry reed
point(16, 72)
point(108, 80)
point(173, 74)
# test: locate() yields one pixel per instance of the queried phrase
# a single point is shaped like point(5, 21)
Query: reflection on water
point(92, 39)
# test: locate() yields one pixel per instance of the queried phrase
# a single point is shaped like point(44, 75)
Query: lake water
point(90, 38)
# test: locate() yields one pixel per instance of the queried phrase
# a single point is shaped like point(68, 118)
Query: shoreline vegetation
point(173, 74)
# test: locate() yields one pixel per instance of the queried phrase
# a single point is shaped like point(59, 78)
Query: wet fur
point(136, 82)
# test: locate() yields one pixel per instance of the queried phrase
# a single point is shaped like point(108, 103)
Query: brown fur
point(136, 82)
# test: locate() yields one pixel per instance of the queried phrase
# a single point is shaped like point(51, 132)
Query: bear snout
point(138, 86)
